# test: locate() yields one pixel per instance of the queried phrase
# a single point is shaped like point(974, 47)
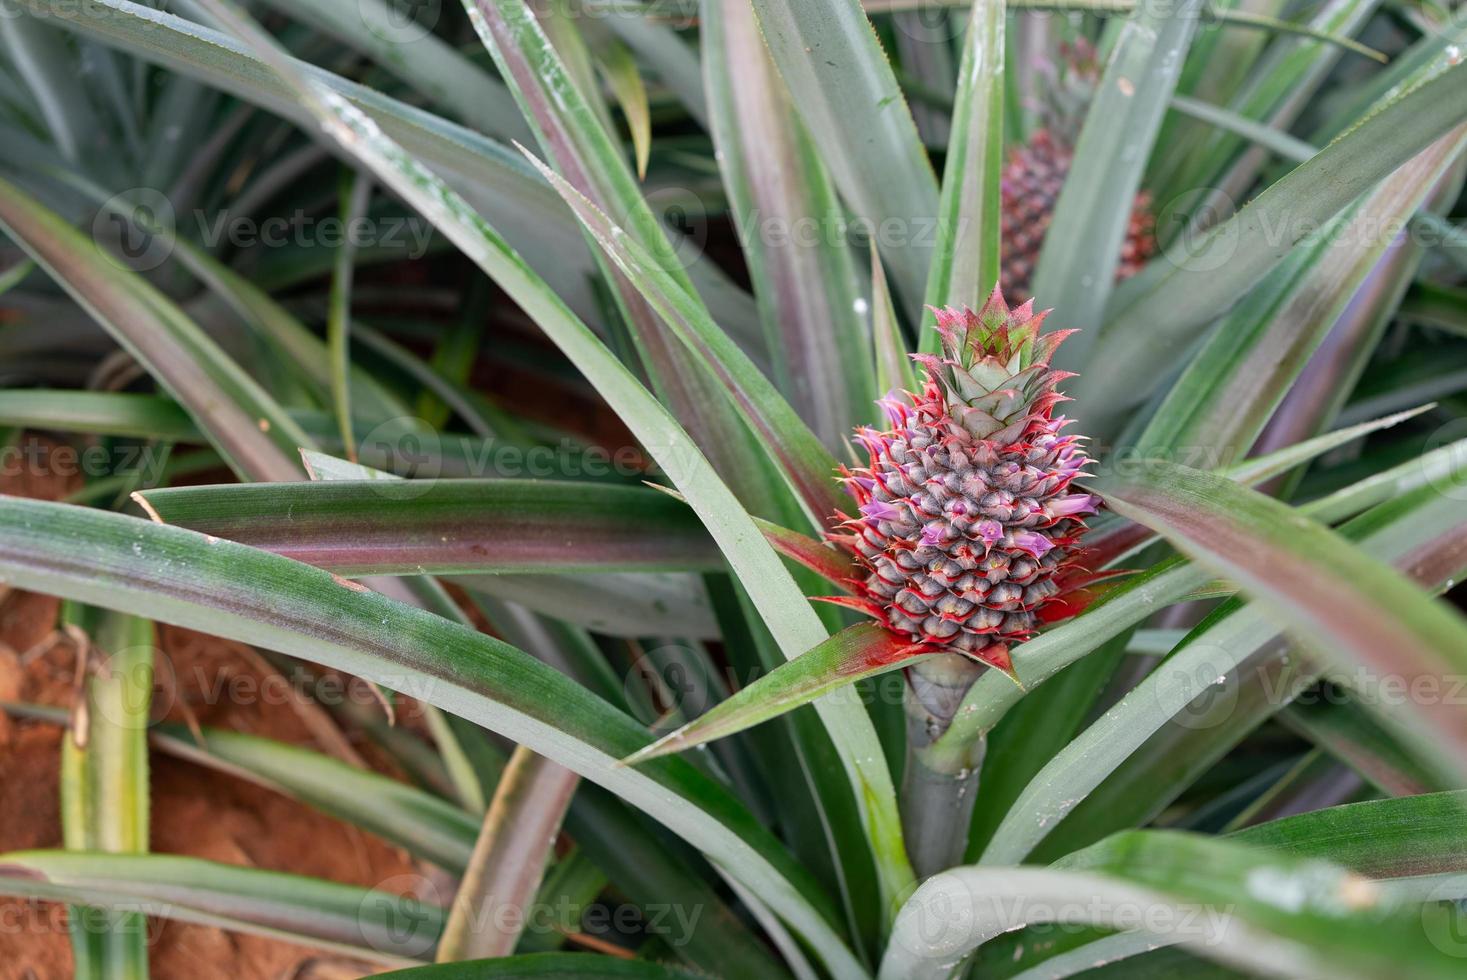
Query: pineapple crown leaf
point(995, 336)
point(995, 360)
point(1069, 85)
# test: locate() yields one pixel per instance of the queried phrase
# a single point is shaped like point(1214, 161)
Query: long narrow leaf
point(423, 824)
point(1381, 838)
point(1365, 613)
point(509, 858)
point(785, 208)
point(241, 420)
point(379, 927)
point(1257, 909)
point(1082, 246)
point(419, 57)
point(104, 785)
point(857, 652)
point(355, 195)
point(851, 103)
point(184, 578)
point(401, 527)
point(102, 412)
point(1202, 280)
point(965, 262)
point(894, 371)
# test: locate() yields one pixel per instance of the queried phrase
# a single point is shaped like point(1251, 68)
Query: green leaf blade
point(439, 527)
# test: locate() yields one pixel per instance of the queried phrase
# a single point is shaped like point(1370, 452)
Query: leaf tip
point(139, 498)
point(668, 744)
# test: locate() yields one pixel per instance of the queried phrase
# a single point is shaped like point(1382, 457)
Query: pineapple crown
point(995, 376)
point(1068, 86)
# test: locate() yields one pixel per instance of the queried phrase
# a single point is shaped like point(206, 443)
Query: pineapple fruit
point(966, 523)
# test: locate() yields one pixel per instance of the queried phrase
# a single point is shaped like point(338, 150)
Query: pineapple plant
point(712, 521)
point(1036, 171)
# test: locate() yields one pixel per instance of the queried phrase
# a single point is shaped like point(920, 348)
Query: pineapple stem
point(937, 803)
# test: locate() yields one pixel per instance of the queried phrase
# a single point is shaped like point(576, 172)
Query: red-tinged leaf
point(1109, 540)
point(1068, 606)
point(440, 527)
point(828, 562)
point(1354, 610)
point(863, 606)
point(994, 655)
point(997, 655)
point(817, 556)
point(863, 650)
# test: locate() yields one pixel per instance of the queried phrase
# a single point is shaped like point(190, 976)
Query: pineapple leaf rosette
point(967, 523)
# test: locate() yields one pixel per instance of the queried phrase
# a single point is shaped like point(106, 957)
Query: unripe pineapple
point(1036, 172)
point(966, 518)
